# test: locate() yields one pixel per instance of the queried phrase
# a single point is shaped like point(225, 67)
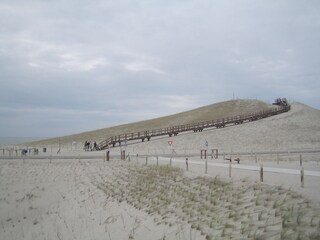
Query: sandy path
point(253, 168)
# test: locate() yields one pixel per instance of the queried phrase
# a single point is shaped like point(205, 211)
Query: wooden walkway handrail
point(196, 127)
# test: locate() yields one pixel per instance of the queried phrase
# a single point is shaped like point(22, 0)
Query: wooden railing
point(196, 127)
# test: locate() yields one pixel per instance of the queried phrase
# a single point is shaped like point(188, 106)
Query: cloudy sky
point(68, 66)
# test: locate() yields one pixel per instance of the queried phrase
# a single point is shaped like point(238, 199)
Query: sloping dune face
point(210, 112)
point(298, 129)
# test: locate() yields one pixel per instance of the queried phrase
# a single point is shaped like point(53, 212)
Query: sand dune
point(296, 129)
point(210, 112)
point(152, 195)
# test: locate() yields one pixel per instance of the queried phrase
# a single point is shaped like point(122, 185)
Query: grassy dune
point(210, 112)
point(217, 208)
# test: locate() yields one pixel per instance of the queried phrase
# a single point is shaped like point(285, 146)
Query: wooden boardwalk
point(195, 127)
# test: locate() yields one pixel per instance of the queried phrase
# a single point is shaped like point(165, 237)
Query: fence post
point(187, 166)
point(302, 177)
point(300, 159)
point(230, 169)
point(79, 157)
point(255, 156)
point(123, 155)
point(137, 157)
point(157, 160)
point(278, 158)
point(261, 173)
point(147, 160)
point(108, 156)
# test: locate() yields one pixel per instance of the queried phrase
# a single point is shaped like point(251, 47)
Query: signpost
point(204, 151)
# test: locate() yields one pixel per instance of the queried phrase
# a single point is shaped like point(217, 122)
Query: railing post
point(302, 177)
point(108, 155)
point(203, 153)
point(187, 166)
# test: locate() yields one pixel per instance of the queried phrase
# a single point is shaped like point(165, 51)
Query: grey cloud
point(134, 59)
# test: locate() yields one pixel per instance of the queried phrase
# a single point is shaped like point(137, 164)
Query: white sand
point(60, 200)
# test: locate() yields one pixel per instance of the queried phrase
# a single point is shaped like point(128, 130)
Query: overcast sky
point(68, 66)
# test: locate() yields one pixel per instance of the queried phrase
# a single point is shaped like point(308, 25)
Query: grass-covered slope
point(210, 112)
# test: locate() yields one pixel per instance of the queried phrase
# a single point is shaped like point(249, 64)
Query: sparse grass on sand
point(205, 113)
point(217, 208)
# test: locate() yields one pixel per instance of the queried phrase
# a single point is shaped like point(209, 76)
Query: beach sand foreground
point(93, 199)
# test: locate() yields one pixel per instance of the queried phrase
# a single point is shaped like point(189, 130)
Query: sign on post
point(206, 143)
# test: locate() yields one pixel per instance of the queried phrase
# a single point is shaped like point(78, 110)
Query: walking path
point(253, 168)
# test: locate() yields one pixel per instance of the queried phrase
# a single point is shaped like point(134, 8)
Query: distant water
point(18, 140)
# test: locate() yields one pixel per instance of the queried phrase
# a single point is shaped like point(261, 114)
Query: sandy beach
point(94, 199)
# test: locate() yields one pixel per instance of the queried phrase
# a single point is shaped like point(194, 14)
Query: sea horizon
point(19, 140)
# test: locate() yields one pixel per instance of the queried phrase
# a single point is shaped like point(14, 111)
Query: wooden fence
point(195, 127)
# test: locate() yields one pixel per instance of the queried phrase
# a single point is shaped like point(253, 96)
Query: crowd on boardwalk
point(90, 146)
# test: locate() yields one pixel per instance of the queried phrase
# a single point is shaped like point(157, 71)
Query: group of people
point(89, 146)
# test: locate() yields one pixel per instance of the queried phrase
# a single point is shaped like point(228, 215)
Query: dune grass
point(216, 208)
